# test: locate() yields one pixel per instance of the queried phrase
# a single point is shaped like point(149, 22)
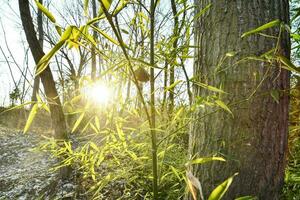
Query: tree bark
point(36, 83)
point(254, 141)
point(174, 55)
point(93, 51)
point(57, 115)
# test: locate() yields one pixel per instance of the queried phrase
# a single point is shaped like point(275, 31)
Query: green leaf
point(68, 146)
point(124, 31)
point(223, 105)
point(94, 127)
point(43, 63)
point(208, 159)
point(120, 133)
point(85, 7)
point(275, 95)
point(172, 86)
point(177, 114)
point(231, 54)
point(209, 87)
point(97, 122)
point(220, 190)
point(45, 107)
point(132, 154)
point(94, 146)
point(45, 11)
point(263, 27)
point(105, 35)
point(31, 116)
point(58, 29)
point(94, 20)
point(288, 65)
point(175, 171)
point(204, 10)
point(78, 121)
point(18, 106)
point(246, 198)
point(106, 3)
point(120, 7)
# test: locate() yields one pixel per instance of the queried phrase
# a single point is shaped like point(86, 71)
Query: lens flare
point(98, 93)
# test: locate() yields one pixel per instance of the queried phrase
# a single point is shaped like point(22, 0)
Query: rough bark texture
point(57, 115)
point(254, 141)
point(36, 83)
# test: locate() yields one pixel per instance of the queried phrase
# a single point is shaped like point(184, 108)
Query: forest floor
point(24, 173)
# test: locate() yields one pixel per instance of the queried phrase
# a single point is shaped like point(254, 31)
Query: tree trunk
point(57, 115)
point(254, 141)
point(36, 83)
point(93, 51)
point(174, 56)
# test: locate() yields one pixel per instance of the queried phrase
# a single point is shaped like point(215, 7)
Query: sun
point(98, 93)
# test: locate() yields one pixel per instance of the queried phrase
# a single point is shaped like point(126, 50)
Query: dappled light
point(150, 99)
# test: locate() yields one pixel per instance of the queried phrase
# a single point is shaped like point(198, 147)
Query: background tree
point(57, 115)
point(36, 83)
point(254, 139)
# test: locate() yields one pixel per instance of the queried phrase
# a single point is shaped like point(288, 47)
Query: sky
point(11, 31)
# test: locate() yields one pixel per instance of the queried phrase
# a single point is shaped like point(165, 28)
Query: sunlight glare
point(98, 93)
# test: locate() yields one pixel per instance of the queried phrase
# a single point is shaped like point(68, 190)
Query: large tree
point(254, 139)
point(57, 115)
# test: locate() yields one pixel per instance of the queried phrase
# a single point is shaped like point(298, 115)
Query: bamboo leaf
point(261, 28)
point(173, 85)
point(132, 154)
point(18, 106)
point(178, 113)
point(246, 198)
point(275, 95)
point(223, 105)
point(97, 122)
point(85, 7)
point(94, 20)
point(68, 146)
point(204, 10)
point(205, 160)
point(94, 146)
point(231, 54)
point(58, 29)
point(94, 128)
point(78, 121)
point(209, 87)
point(45, 107)
point(105, 35)
point(220, 190)
point(31, 117)
point(107, 4)
point(288, 65)
point(120, 7)
point(45, 11)
point(175, 171)
point(43, 63)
